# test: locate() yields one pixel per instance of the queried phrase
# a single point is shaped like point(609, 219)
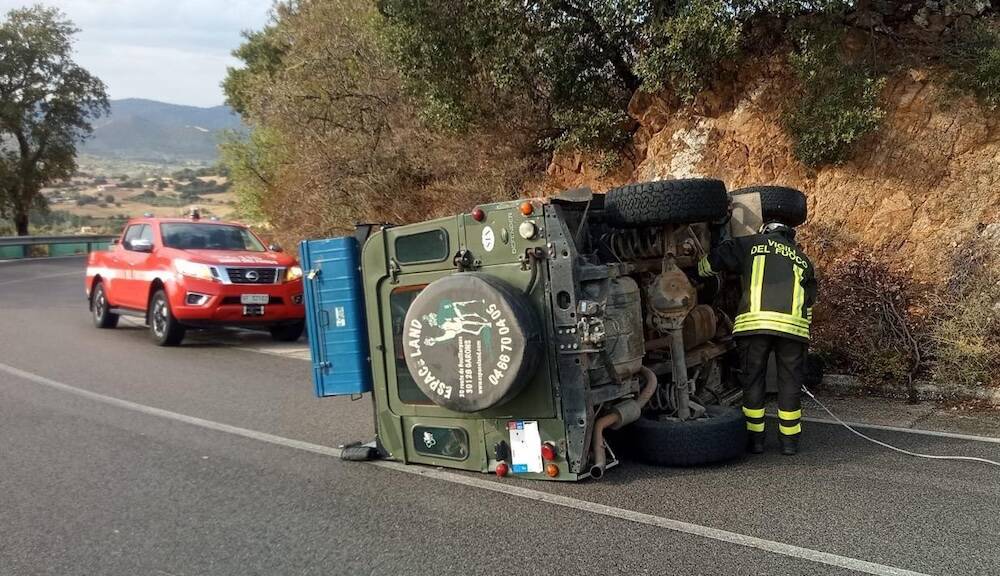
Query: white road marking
point(509, 489)
point(920, 431)
point(45, 277)
point(12, 261)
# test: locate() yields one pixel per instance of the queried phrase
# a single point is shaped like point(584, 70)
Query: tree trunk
point(21, 221)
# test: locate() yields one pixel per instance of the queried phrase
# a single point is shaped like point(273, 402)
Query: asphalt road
point(91, 485)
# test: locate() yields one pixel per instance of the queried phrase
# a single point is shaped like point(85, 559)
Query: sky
point(174, 51)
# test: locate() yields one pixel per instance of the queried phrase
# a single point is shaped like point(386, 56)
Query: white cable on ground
point(891, 447)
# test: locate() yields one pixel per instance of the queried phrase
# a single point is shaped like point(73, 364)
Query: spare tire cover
point(471, 341)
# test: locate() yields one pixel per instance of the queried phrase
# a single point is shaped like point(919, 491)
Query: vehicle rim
point(99, 304)
point(159, 317)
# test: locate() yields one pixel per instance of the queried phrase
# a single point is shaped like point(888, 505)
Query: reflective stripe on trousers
point(755, 419)
point(790, 423)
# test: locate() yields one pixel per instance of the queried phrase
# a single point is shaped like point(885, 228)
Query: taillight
point(502, 469)
point(551, 470)
point(548, 451)
point(478, 215)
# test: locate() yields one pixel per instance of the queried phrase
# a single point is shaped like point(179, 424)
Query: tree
point(544, 67)
point(337, 140)
point(47, 103)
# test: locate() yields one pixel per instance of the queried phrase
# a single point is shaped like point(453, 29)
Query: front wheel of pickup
point(164, 328)
point(99, 307)
point(287, 332)
point(718, 436)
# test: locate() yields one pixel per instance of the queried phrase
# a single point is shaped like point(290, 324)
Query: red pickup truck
point(192, 273)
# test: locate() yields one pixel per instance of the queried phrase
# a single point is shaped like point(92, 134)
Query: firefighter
point(778, 292)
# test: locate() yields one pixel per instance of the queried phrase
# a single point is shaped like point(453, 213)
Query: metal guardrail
point(18, 247)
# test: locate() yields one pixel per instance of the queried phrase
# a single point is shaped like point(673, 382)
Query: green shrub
point(686, 51)
point(838, 104)
point(590, 129)
point(974, 59)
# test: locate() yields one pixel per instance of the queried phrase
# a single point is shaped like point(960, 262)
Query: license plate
point(253, 310)
point(254, 298)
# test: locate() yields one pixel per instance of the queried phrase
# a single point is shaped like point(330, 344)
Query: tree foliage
point(974, 58)
point(531, 66)
point(47, 102)
point(687, 51)
point(335, 138)
point(367, 109)
point(839, 100)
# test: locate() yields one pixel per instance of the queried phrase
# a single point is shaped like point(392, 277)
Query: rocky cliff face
point(927, 180)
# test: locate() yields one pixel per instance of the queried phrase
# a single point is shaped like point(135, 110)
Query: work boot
point(755, 444)
point(789, 445)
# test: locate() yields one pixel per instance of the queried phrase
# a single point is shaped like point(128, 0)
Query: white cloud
point(171, 50)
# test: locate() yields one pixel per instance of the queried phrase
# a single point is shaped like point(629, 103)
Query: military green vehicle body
point(397, 262)
point(613, 304)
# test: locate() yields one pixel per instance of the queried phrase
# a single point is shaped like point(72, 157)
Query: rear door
point(335, 318)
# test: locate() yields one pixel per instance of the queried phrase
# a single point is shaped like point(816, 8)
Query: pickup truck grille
point(252, 275)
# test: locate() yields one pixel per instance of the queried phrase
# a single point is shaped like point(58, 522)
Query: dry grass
point(966, 322)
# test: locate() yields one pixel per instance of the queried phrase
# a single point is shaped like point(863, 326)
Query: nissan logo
point(252, 275)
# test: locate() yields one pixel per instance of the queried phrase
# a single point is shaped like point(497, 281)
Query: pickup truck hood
point(239, 258)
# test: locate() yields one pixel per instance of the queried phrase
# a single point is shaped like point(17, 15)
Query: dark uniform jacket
point(779, 284)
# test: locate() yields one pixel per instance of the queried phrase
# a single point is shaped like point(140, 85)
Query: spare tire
point(718, 436)
point(667, 202)
point(779, 203)
point(471, 341)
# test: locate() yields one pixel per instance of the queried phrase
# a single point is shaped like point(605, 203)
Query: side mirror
point(141, 245)
point(275, 248)
point(114, 241)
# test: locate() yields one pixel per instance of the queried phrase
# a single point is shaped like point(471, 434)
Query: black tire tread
point(718, 438)
point(780, 203)
point(667, 202)
point(109, 319)
point(175, 331)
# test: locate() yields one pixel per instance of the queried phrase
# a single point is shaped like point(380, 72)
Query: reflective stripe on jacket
point(779, 284)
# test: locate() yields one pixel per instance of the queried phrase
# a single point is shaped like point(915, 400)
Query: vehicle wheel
point(779, 203)
point(103, 317)
point(166, 330)
point(667, 202)
point(287, 332)
point(719, 436)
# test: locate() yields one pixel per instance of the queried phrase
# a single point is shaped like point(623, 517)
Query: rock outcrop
point(927, 180)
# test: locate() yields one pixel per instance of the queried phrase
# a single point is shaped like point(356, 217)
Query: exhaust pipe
point(622, 414)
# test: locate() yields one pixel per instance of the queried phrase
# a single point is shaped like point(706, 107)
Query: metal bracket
point(394, 271)
point(464, 260)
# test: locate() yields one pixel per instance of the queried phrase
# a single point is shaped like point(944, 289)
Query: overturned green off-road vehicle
point(513, 338)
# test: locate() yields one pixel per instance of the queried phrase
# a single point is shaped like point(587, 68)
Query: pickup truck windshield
point(209, 237)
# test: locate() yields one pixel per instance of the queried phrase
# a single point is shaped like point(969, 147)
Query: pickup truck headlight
point(293, 273)
point(194, 270)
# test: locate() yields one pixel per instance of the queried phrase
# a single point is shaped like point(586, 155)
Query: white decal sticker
point(339, 317)
point(525, 446)
point(429, 440)
point(489, 239)
point(478, 337)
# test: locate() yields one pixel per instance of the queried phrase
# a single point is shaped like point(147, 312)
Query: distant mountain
point(150, 131)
